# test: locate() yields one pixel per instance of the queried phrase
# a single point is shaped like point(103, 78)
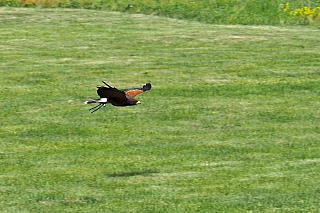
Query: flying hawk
point(111, 95)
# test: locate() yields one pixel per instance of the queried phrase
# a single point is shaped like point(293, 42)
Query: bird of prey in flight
point(111, 95)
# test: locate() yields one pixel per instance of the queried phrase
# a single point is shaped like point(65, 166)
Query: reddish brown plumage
point(133, 92)
point(136, 91)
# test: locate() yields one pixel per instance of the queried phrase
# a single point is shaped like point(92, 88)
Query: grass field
point(230, 125)
point(245, 12)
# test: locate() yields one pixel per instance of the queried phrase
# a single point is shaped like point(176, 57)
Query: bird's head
point(133, 102)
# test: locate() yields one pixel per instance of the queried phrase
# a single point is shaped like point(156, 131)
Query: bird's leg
point(95, 107)
point(99, 106)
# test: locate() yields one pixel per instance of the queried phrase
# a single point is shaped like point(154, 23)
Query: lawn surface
point(230, 125)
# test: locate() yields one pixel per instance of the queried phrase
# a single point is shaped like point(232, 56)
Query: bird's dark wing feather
point(135, 91)
point(110, 92)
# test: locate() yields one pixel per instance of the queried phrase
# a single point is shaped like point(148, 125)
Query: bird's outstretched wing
point(135, 91)
point(110, 92)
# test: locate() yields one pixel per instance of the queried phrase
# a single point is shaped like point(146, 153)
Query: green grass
point(247, 12)
point(231, 124)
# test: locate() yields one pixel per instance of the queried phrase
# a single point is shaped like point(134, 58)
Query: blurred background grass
point(248, 12)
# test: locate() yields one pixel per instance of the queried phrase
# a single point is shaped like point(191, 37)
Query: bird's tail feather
point(90, 102)
point(101, 101)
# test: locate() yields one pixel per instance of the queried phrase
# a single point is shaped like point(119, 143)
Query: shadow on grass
point(133, 173)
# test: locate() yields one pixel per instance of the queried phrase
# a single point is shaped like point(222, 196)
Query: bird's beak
point(138, 102)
